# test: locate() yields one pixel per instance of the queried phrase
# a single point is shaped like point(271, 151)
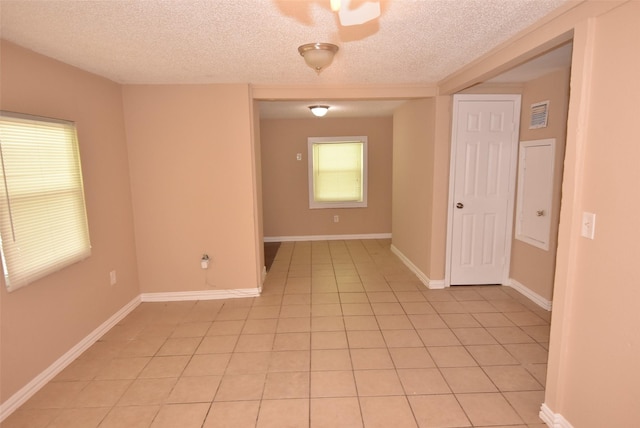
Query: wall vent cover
point(539, 115)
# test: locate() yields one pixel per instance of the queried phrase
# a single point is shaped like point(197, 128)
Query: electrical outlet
point(204, 261)
point(336, 219)
point(112, 277)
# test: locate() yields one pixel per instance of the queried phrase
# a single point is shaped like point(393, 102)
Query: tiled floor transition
point(344, 335)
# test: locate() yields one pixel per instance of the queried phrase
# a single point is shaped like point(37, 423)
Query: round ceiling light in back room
point(319, 110)
point(318, 55)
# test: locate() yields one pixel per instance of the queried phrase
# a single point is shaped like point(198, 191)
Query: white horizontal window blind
point(337, 172)
point(43, 222)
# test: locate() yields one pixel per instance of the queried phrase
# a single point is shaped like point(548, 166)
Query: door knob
point(459, 205)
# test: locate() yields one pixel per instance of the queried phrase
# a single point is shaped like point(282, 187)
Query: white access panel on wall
point(535, 191)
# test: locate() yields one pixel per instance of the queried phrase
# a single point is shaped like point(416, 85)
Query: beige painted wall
point(285, 181)
point(191, 159)
point(413, 164)
point(440, 200)
point(494, 88)
point(531, 266)
point(420, 182)
point(595, 350)
point(257, 164)
point(41, 322)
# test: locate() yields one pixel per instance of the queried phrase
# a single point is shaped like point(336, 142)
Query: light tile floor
point(344, 335)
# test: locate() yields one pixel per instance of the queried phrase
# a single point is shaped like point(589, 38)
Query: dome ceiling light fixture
point(319, 110)
point(318, 55)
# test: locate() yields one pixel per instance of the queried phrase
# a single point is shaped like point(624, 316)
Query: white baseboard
point(430, 283)
point(27, 391)
point(530, 294)
point(326, 237)
point(436, 284)
point(200, 295)
point(553, 420)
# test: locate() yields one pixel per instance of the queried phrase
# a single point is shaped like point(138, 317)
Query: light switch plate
point(588, 225)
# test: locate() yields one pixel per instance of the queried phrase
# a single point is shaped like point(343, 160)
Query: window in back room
point(337, 172)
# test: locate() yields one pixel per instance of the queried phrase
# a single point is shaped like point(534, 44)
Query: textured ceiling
point(255, 41)
point(553, 60)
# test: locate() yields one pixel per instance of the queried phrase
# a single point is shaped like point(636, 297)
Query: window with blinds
point(43, 221)
point(337, 172)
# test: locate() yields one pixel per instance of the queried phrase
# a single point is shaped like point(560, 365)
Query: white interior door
point(483, 163)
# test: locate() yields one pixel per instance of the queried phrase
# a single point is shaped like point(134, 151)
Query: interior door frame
point(457, 98)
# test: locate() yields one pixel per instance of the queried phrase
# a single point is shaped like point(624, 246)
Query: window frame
point(43, 217)
point(313, 204)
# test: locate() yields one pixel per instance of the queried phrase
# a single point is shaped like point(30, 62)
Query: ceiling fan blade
point(364, 13)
